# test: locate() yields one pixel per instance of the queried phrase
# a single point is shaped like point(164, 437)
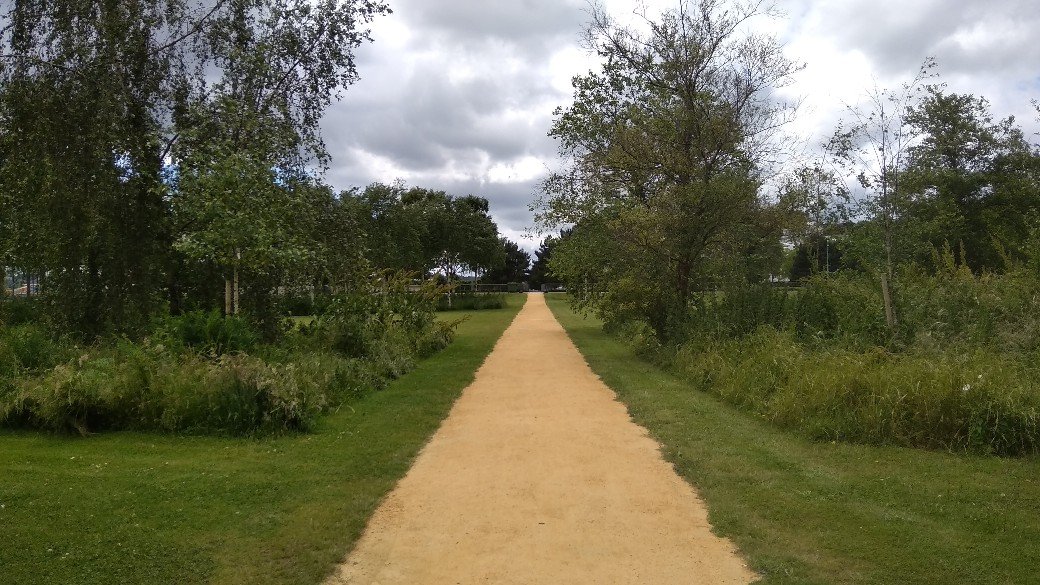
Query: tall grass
point(979, 402)
point(960, 373)
point(206, 373)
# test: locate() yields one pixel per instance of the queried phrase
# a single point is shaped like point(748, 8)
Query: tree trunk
point(227, 297)
point(238, 257)
point(890, 311)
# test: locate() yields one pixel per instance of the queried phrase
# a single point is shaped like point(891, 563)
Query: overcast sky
point(458, 94)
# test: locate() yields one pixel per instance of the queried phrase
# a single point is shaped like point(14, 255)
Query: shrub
point(21, 311)
point(130, 388)
point(303, 305)
point(208, 332)
point(362, 341)
point(375, 321)
point(471, 301)
point(33, 347)
point(845, 306)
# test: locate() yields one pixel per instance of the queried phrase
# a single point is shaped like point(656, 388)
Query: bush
point(365, 339)
point(208, 332)
point(847, 307)
point(135, 388)
point(303, 305)
point(20, 311)
point(33, 348)
point(375, 321)
point(471, 301)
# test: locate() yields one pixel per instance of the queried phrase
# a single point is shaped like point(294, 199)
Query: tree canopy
point(665, 145)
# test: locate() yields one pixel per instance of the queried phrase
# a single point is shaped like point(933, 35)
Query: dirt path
point(539, 476)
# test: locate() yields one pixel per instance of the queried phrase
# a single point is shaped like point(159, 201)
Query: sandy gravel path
point(539, 476)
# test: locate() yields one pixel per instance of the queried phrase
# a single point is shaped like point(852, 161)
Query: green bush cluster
point(471, 301)
point(959, 373)
point(145, 389)
point(303, 305)
point(951, 309)
point(208, 332)
point(204, 373)
point(30, 348)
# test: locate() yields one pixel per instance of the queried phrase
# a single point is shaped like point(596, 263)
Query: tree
point(540, 273)
point(874, 148)
point(114, 104)
point(460, 235)
point(396, 232)
point(666, 147)
point(968, 180)
point(514, 267)
point(815, 202)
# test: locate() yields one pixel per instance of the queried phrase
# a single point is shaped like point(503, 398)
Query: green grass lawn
point(806, 512)
point(144, 508)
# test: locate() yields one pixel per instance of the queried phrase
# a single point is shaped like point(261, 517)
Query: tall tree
point(666, 144)
point(970, 180)
point(874, 148)
point(540, 271)
point(515, 265)
point(112, 104)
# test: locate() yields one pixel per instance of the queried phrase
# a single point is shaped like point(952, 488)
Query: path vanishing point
point(538, 475)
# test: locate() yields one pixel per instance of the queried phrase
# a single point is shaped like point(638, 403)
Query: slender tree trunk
point(888, 275)
point(238, 260)
point(227, 297)
point(890, 313)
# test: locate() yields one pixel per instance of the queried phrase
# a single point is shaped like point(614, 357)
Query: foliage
point(129, 125)
point(207, 332)
point(515, 265)
point(390, 314)
point(421, 230)
point(665, 145)
point(193, 376)
point(540, 273)
point(980, 402)
point(817, 254)
point(959, 374)
point(31, 348)
point(472, 301)
point(971, 182)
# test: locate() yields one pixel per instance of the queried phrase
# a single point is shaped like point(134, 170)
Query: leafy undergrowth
point(979, 400)
point(126, 507)
point(808, 512)
point(202, 373)
point(472, 301)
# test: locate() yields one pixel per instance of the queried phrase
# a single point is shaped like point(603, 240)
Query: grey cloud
point(899, 35)
point(411, 111)
point(531, 24)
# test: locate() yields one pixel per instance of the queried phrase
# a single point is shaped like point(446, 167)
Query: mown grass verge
point(129, 507)
point(818, 512)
